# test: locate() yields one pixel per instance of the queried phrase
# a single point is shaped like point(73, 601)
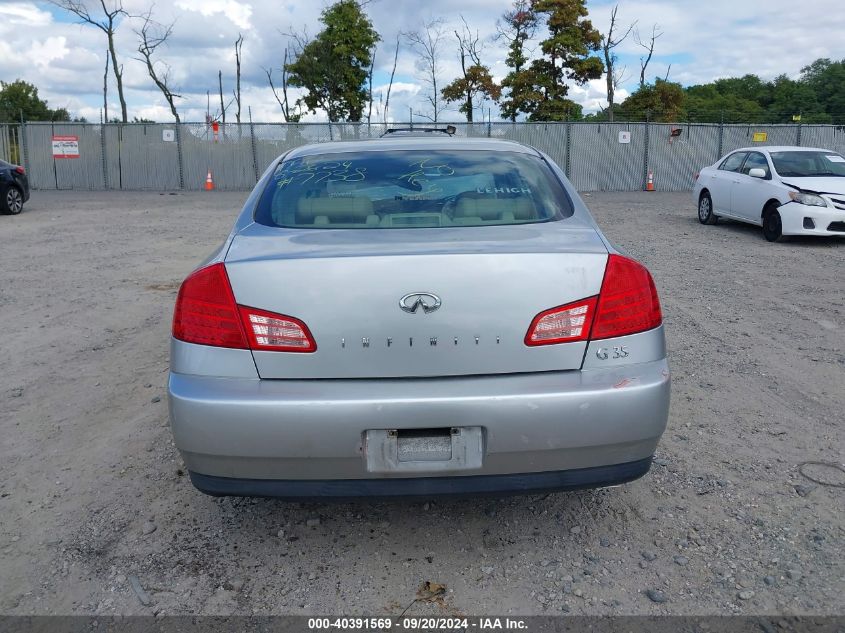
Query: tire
point(772, 225)
point(11, 202)
point(705, 209)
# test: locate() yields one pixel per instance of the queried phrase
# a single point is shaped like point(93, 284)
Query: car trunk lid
point(346, 285)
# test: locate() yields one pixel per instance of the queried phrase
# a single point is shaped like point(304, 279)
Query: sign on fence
point(624, 137)
point(65, 147)
point(760, 137)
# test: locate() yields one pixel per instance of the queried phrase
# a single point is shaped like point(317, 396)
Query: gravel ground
point(97, 515)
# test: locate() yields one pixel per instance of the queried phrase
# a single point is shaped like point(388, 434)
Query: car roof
point(782, 148)
point(412, 142)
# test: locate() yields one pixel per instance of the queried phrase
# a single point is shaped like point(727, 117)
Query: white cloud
point(238, 13)
point(65, 60)
point(24, 13)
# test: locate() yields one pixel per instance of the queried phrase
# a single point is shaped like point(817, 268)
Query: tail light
point(627, 304)
point(628, 301)
point(20, 170)
point(565, 324)
point(206, 314)
point(276, 332)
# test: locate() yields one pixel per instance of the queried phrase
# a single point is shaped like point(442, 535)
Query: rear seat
point(354, 211)
point(479, 210)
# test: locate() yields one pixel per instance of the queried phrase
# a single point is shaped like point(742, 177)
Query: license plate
point(424, 450)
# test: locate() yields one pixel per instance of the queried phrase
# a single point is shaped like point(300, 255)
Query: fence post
point(252, 141)
point(568, 151)
point(721, 134)
point(23, 150)
point(103, 155)
point(179, 155)
point(55, 169)
point(489, 124)
point(798, 134)
point(645, 151)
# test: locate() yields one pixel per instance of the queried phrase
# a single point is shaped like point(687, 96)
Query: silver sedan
point(416, 316)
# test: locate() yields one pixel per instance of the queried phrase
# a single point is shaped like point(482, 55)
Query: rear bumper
point(313, 431)
point(295, 489)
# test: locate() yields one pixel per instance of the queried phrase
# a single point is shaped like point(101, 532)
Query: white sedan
point(786, 190)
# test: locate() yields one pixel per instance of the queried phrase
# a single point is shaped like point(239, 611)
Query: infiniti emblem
point(413, 301)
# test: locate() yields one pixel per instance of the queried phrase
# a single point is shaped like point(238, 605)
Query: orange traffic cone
point(650, 182)
point(209, 183)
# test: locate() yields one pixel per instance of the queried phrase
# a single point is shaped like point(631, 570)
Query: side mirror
point(756, 172)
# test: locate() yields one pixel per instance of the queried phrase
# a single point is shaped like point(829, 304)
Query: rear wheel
point(772, 225)
point(11, 202)
point(705, 209)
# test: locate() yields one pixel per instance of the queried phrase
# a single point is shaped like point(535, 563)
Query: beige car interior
point(356, 211)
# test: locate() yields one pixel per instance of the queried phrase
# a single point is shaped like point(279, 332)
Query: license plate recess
point(424, 450)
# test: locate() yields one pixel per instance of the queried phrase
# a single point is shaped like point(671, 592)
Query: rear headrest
point(341, 209)
point(492, 208)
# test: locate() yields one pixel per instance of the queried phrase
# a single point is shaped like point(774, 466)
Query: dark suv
point(14, 188)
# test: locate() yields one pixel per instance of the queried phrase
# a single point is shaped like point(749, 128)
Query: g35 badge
point(603, 353)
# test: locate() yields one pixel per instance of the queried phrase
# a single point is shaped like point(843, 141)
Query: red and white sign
point(65, 147)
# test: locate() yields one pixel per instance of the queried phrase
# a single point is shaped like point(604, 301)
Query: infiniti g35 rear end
point(416, 316)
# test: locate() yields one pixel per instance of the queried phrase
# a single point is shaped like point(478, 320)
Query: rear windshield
point(412, 189)
point(808, 164)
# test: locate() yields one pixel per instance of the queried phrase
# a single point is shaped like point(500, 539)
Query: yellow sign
point(796, 117)
point(759, 137)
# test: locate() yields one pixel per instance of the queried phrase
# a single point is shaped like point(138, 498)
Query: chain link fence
point(166, 157)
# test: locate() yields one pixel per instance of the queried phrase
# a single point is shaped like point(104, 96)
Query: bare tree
point(106, 91)
point(238, 46)
point(220, 91)
point(107, 23)
point(153, 35)
point(649, 47)
point(284, 102)
point(428, 45)
point(392, 74)
point(608, 42)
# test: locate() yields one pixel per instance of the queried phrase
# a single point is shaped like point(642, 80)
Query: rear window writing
point(411, 189)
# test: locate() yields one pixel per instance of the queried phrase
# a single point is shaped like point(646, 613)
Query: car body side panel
point(749, 196)
point(204, 360)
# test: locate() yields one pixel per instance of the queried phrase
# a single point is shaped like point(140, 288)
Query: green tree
point(826, 79)
point(20, 99)
point(518, 26)
point(566, 56)
point(791, 97)
point(333, 66)
point(662, 101)
point(707, 104)
point(475, 80)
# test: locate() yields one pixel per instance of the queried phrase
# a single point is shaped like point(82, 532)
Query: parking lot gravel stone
point(98, 516)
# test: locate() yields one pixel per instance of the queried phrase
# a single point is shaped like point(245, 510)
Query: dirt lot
point(93, 499)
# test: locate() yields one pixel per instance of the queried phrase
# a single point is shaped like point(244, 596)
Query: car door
point(722, 181)
point(749, 195)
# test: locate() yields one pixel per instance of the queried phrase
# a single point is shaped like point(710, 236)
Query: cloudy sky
point(701, 42)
